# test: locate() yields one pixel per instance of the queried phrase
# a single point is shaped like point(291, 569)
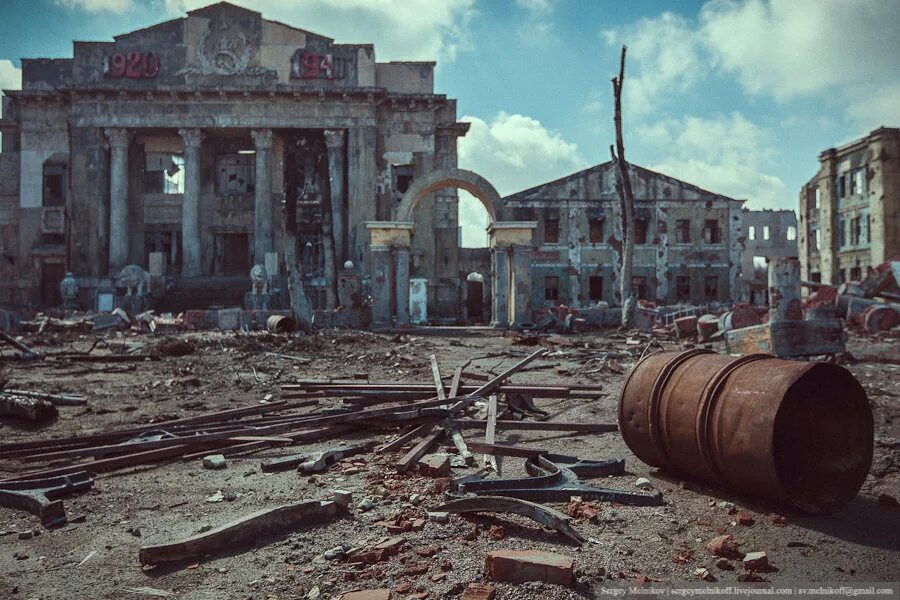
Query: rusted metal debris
point(57, 399)
point(314, 462)
point(26, 408)
point(244, 530)
point(554, 477)
point(544, 515)
point(800, 433)
point(42, 497)
point(25, 350)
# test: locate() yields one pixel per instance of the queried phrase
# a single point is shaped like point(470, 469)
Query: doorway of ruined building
point(52, 273)
point(477, 300)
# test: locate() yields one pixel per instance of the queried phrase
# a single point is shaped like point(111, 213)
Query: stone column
point(522, 256)
point(500, 286)
point(119, 140)
point(262, 215)
point(784, 290)
point(334, 140)
point(401, 256)
point(190, 208)
point(380, 257)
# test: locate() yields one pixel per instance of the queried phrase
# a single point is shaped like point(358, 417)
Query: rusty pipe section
point(798, 433)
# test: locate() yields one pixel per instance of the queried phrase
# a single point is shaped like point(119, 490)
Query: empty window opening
point(551, 231)
point(595, 288)
point(639, 287)
point(766, 232)
point(640, 231)
point(815, 277)
point(711, 287)
point(855, 230)
point(791, 233)
point(711, 232)
point(235, 174)
point(682, 288)
point(856, 273)
point(818, 198)
point(167, 242)
point(751, 232)
point(841, 232)
point(596, 231)
point(760, 266)
point(403, 176)
point(842, 186)
point(551, 288)
point(54, 185)
point(682, 231)
point(817, 240)
point(857, 181)
point(163, 173)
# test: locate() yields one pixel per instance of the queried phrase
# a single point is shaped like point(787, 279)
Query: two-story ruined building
point(767, 234)
point(688, 240)
point(188, 148)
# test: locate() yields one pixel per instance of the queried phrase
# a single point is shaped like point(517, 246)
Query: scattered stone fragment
point(415, 499)
point(644, 483)
point(26, 535)
point(342, 498)
point(366, 504)
point(439, 517)
point(335, 553)
point(724, 564)
point(497, 532)
point(204, 528)
point(379, 594)
point(418, 524)
point(725, 504)
point(519, 566)
point(777, 520)
point(434, 465)
point(404, 587)
point(756, 561)
point(217, 497)
point(135, 531)
point(214, 462)
point(704, 574)
point(744, 519)
point(314, 594)
point(724, 546)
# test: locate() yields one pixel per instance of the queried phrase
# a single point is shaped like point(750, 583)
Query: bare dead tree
point(623, 186)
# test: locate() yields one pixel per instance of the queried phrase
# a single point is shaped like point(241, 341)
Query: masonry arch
point(470, 181)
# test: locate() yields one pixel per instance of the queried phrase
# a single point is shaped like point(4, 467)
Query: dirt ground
point(97, 556)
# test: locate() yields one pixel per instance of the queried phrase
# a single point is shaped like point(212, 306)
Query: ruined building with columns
point(169, 168)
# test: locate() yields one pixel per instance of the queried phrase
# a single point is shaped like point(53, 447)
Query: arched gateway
point(511, 245)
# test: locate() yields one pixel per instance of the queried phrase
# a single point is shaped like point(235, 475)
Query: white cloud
point(726, 154)
point(873, 106)
point(664, 57)
point(513, 152)
point(789, 48)
point(400, 29)
point(115, 6)
point(537, 7)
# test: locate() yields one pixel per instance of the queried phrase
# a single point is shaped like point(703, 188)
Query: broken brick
point(756, 561)
point(379, 594)
point(479, 591)
point(519, 566)
point(724, 546)
point(777, 520)
point(745, 519)
point(434, 465)
point(497, 532)
point(426, 551)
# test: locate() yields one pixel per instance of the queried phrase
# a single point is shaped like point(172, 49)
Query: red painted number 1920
point(134, 65)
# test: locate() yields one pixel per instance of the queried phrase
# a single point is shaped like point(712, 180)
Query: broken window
point(818, 197)
point(815, 277)
point(817, 240)
point(857, 181)
point(682, 231)
point(640, 231)
point(759, 266)
point(751, 232)
point(551, 288)
point(551, 231)
point(54, 185)
point(163, 173)
point(235, 174)
point(842, 186)
point(682, 288)
point(791, 233)
point(639, 287)
point(167, 242)
point(403, 176)
point(711, 232)
point(868, 235)
point(856, 273)
point(711, 287)
point(595, 288)
point(766, 232)
point(855, 230)
point(596, 231)
point(842, 275)
point(841, 232)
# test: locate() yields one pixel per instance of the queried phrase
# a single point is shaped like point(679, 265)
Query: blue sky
point(737, 96)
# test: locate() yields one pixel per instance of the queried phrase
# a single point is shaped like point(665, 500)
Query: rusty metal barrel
point(798, 433)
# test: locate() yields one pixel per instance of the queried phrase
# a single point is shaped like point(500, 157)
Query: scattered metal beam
point(544, 515)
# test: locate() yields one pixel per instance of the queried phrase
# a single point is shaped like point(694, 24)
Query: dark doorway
point(475, 300)
point(236, 255)
point(51, 276)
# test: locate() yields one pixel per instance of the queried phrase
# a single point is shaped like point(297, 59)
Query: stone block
point(343, 497)
point(214, 461)
point(686, 326)
point(519, 566)
point(379, 594)
point(434, 465)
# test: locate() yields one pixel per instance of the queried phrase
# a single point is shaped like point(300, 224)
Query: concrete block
point(214, 462)
point(342, 498)
point(229, 319)
point(434, 465)
point(789, 338)
point(519, 566)
point(157, 266)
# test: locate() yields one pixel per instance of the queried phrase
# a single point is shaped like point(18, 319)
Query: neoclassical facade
point(194, 148)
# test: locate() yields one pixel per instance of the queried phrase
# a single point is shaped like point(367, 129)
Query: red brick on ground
point(519, 566)
point(479, 591)
point(379, 594)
